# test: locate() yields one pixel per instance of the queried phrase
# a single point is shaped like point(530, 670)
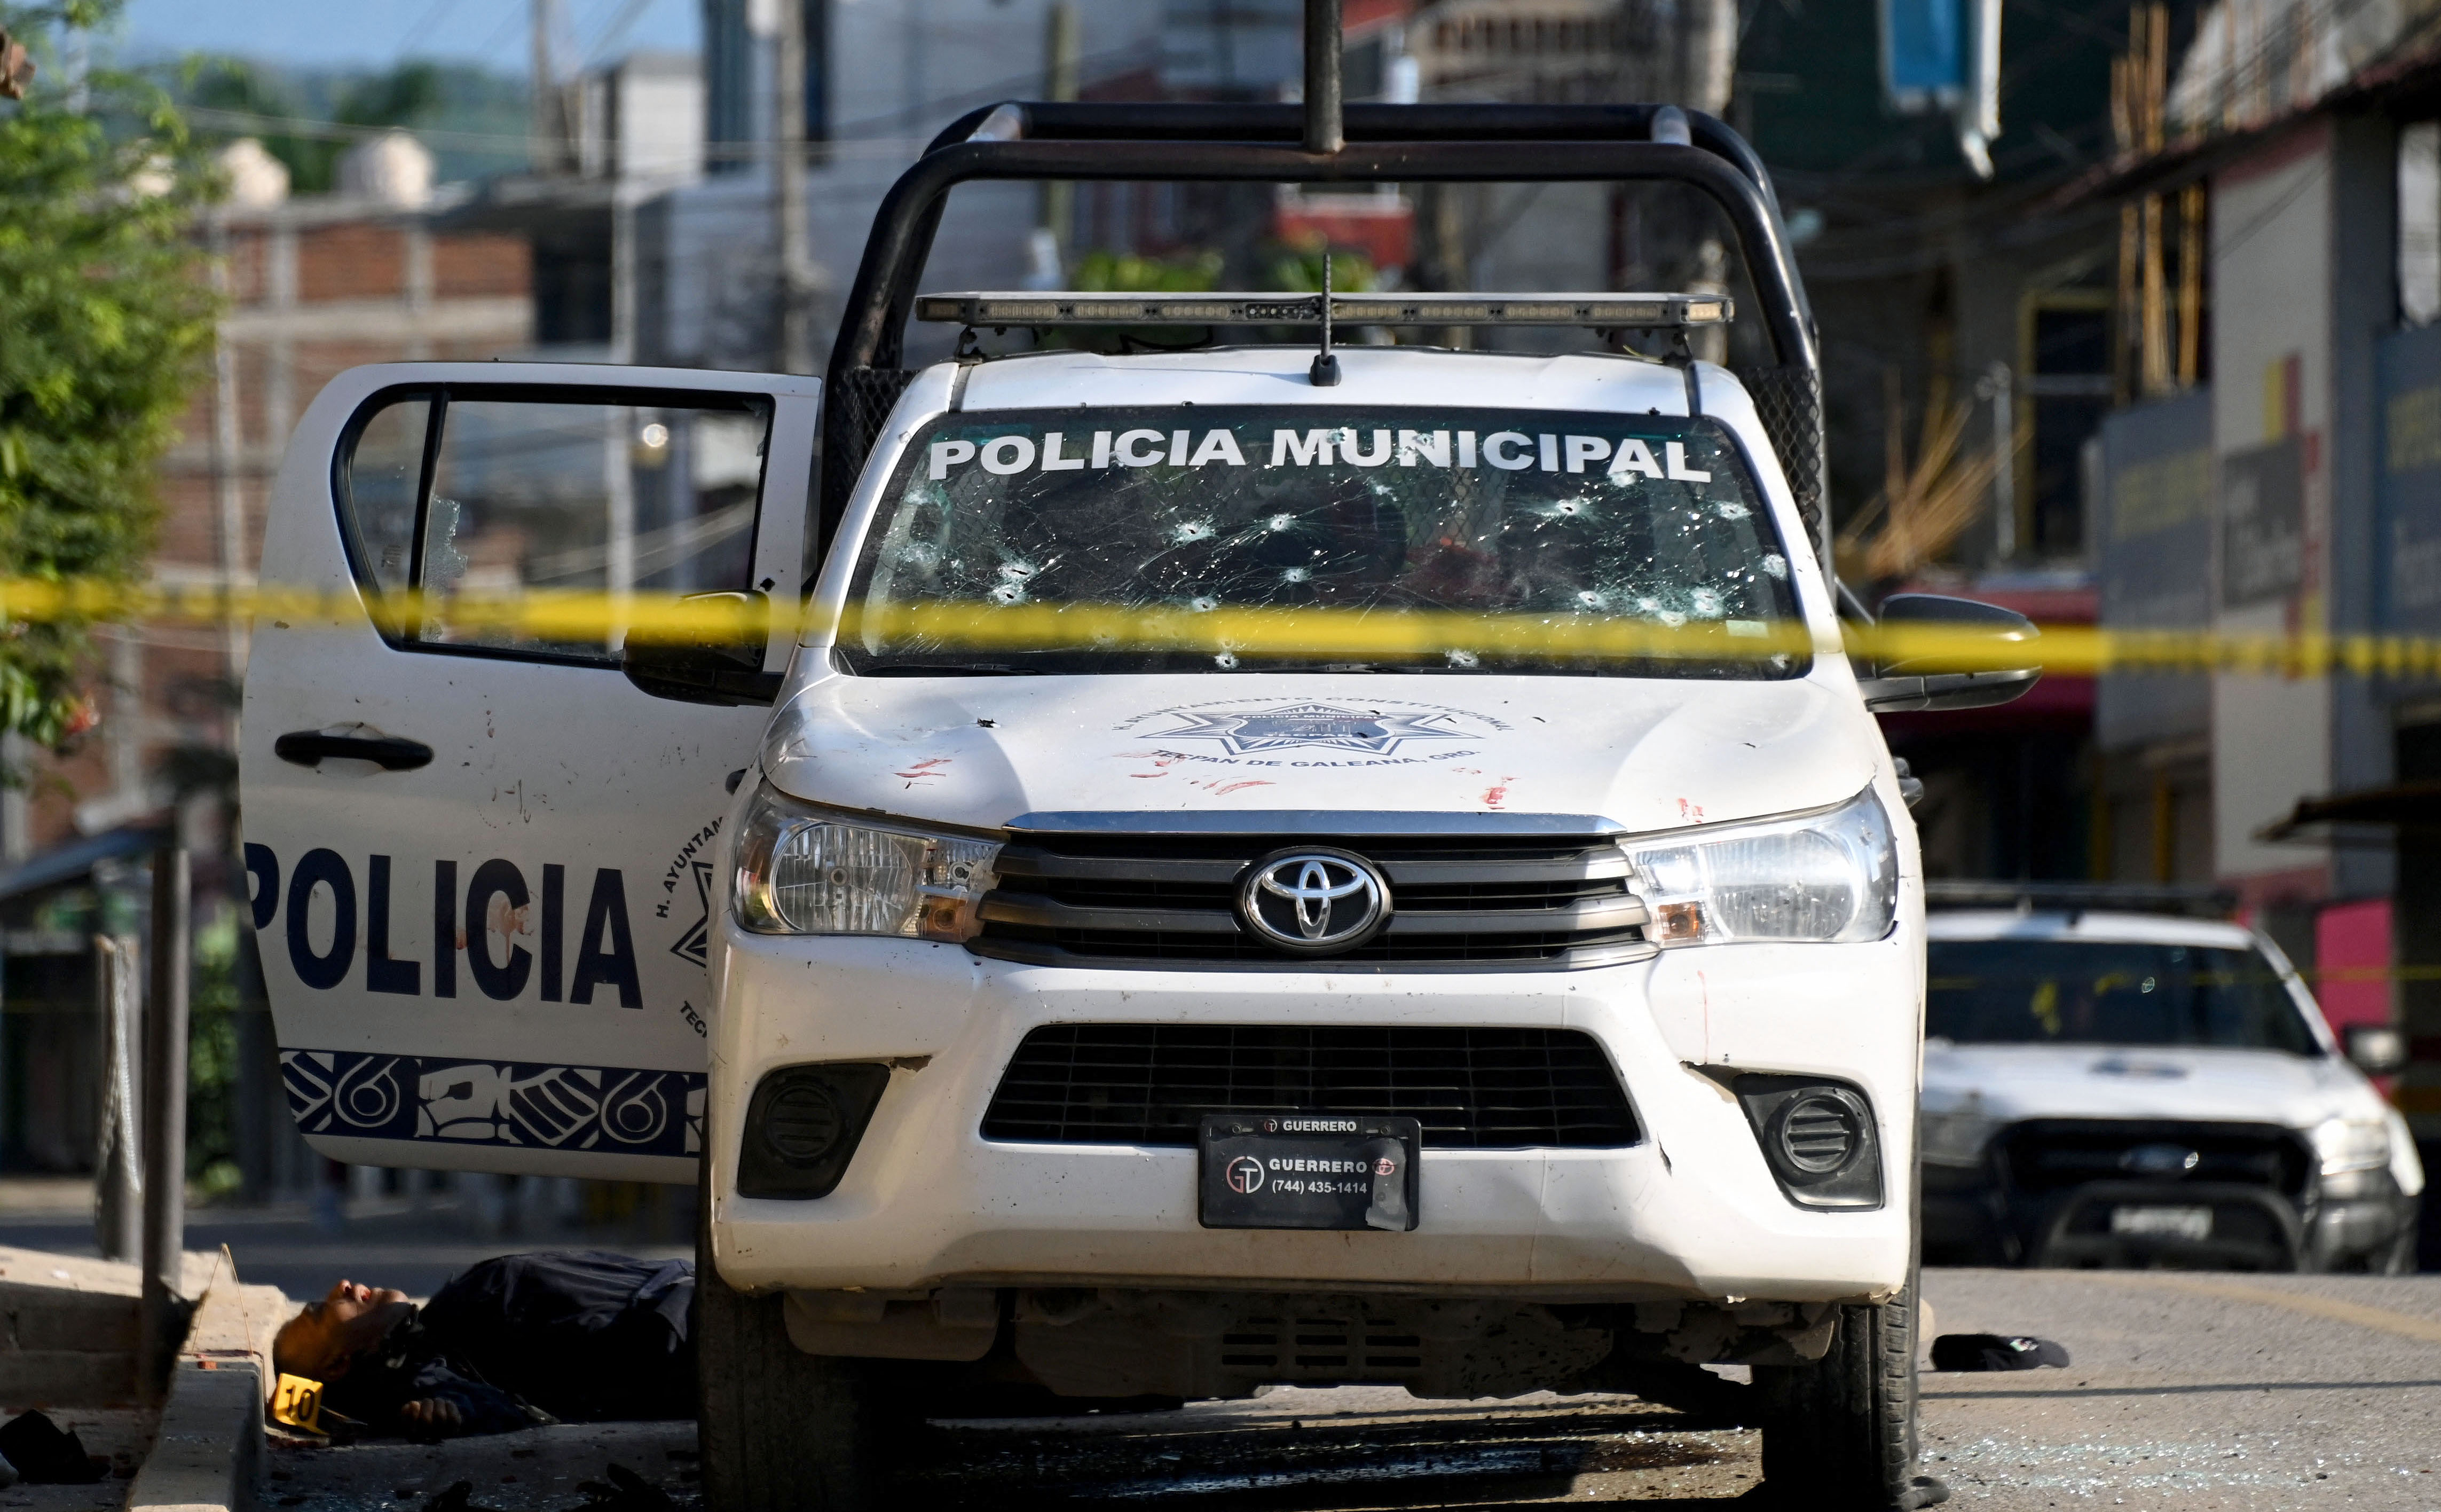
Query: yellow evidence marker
point(296, 1402)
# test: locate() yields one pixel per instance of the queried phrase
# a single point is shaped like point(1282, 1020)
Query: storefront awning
point(71, 862)
point(2412, 808)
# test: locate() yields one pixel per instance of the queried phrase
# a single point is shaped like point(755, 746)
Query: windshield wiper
point(1348, 666)
point(948, 669)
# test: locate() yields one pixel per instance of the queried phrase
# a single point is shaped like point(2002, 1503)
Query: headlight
point(2351, 1145)
point(800, 871)
point(1956, 1139)
point(1825, 876)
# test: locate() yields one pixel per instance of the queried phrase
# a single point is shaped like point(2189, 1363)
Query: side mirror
point(1958, 676)
point(2377, 1049)
point(697, 664)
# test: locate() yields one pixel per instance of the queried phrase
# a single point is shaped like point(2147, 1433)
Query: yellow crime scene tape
point(592, 615)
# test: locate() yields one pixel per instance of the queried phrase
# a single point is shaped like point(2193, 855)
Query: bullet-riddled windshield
point(1020, 541)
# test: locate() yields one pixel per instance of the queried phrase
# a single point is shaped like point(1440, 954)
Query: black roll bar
point(884, 291)
point(1260, 143)
point(1088, 120)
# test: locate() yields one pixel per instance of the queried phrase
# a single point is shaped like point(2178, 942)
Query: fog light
point(1818, 1133)
point(803, 1125)
point(1818, 1137)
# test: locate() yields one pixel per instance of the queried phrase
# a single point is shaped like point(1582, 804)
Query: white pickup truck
point(2109, 1083)
point(1051, 1015)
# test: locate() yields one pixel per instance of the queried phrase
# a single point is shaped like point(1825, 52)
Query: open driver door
point(478, 855)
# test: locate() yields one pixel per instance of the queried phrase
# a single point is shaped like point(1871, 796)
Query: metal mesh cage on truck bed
point(1788, 400)
point(855, 405)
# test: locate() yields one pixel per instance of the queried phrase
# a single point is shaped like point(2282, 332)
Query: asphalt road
point(2192, 1392)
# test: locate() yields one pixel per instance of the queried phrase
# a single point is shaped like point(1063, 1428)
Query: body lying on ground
point(568, 1336)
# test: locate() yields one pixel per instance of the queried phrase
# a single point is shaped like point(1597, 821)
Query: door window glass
point(382, 478)
point(516, 502)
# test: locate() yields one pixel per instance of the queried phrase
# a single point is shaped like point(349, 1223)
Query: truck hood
point(1644, 753)
point(2010, 1082)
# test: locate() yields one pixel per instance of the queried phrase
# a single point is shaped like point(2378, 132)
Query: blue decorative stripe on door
point(598, 1109)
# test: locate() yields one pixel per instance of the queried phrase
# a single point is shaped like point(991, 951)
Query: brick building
point(315, 285)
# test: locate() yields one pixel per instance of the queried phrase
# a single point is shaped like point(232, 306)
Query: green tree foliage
point(1105, 272)
point(212, 1052)
point(1298, 270)
point(407, 95)
point(105, 327)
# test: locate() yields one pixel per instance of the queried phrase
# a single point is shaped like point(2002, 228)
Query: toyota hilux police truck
point(1191, 869)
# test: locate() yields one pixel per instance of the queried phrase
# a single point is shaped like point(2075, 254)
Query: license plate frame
point(2161, 1220)
point(1309, 1171)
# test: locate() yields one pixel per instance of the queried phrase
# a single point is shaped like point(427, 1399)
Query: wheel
point(778, 1430)
point(2400, 1258)
point(1840, 1433)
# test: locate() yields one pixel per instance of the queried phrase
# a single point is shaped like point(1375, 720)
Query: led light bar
point(1602, 312)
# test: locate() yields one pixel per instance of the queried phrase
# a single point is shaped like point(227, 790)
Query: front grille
point(1471, 1088)
point(2044, 1155)
point(1479, 902)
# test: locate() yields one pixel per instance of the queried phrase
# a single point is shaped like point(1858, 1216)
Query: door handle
point(307, 748)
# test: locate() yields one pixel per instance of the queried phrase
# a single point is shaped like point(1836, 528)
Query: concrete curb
point(208, 1453)
point(68, 1326)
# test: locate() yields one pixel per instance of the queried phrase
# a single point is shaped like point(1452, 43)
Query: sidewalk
point(69, 1326)
point(386, 1242)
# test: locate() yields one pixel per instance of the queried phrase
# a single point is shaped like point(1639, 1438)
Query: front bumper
point(1693, 1211)
point(1971, 1216)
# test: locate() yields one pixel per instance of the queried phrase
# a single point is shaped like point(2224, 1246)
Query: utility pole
point(228, 519)
point(118, 1171)
point(163, 1124)
point(548, 125)
point(788, 191)
point(1062, 59)
point(1996, 385)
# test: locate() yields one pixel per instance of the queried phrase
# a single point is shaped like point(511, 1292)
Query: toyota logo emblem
point(1315, 903)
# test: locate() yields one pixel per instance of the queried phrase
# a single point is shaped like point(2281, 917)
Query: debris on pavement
point(626, 1491)
point(42, 1455)
point(456, 1499)
point(1995, 1351)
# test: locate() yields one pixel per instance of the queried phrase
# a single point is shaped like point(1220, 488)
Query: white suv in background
point(2107, 1088)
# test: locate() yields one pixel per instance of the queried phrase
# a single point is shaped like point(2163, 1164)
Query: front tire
point(778, 1430)
point(2399, 1257)
point(1840, 1433)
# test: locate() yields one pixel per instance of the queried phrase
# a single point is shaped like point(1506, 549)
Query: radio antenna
point(1325, 371)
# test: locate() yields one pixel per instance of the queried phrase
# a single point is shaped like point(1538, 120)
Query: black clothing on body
point(574, 1335)
point(408, 1366)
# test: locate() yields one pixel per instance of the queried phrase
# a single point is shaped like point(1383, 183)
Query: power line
point(330, 131)
point(433, 15)
point(510, 19)
point(852, 133)
point(616, 31)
